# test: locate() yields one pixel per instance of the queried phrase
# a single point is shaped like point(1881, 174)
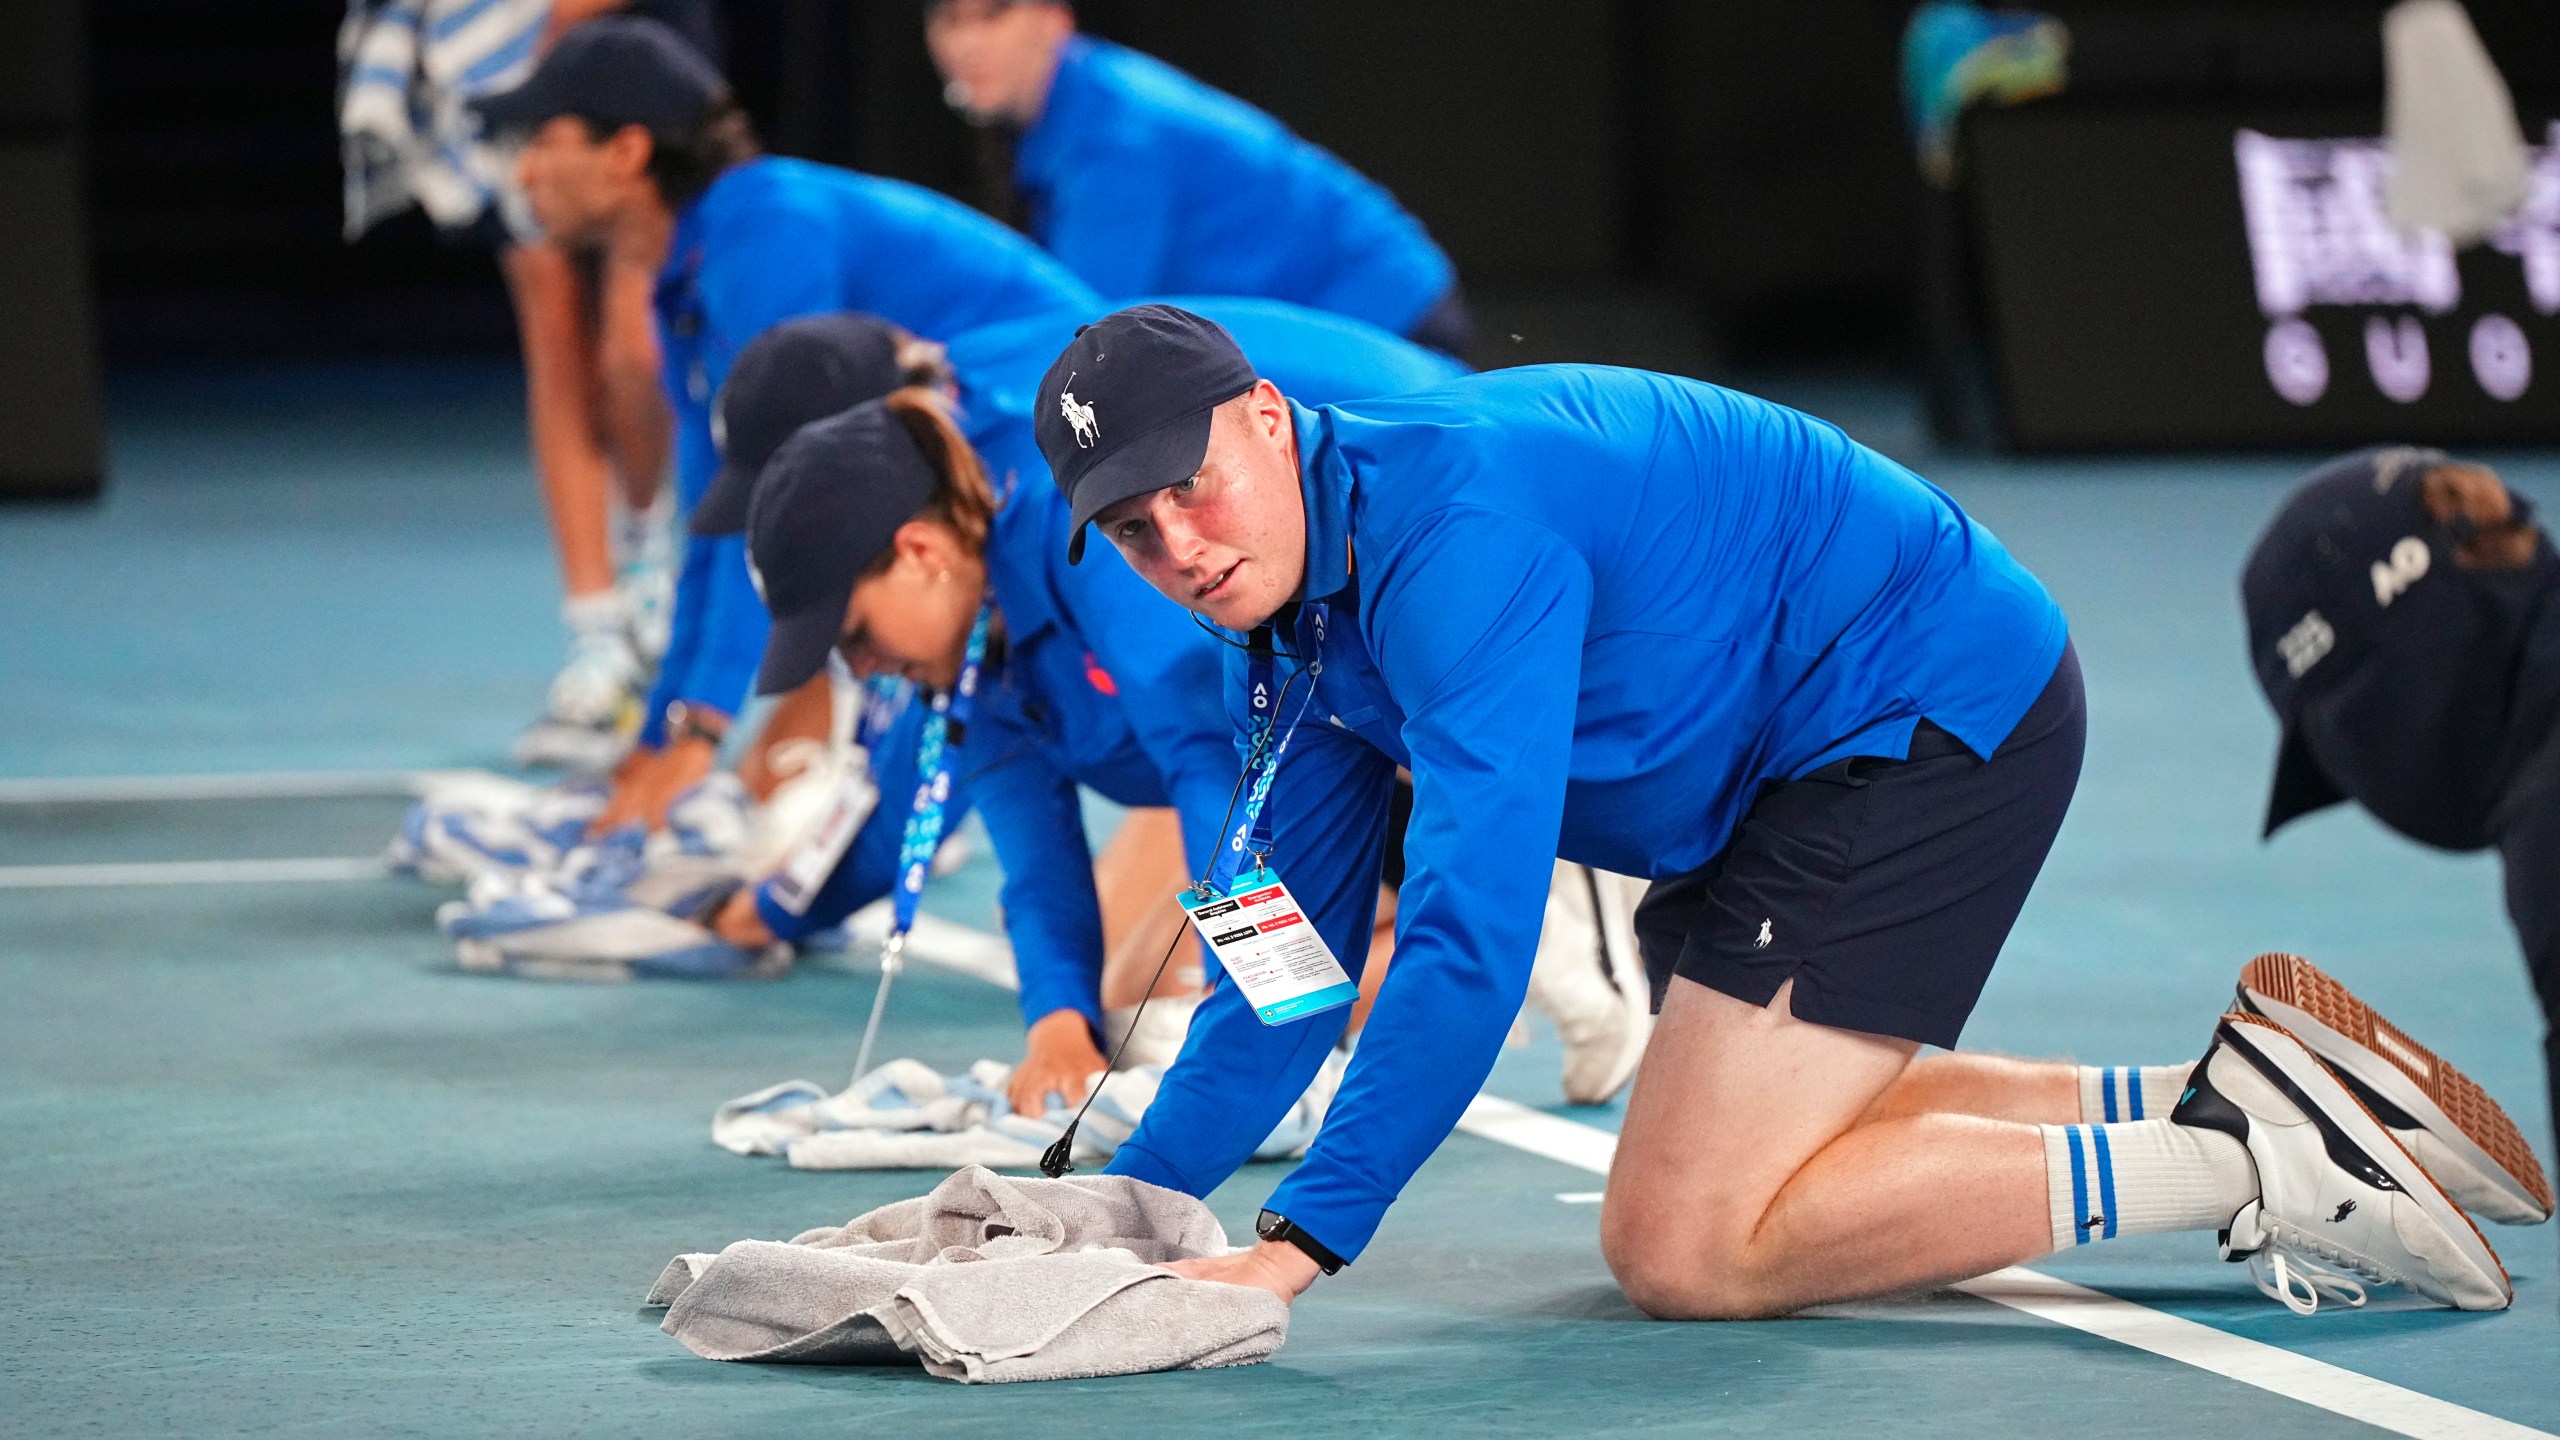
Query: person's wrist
point(1294, 1267)
point(689, 721)
point(1278, 1229)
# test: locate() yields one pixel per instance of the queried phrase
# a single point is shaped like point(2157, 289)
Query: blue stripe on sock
point(2079, 1187)
point(2107, 1089)
point(2133, 1090)
point(2106, 1181)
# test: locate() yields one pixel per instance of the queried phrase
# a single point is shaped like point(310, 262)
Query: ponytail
point(962, 499)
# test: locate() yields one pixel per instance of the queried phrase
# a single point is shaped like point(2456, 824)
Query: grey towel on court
point(987, 1278)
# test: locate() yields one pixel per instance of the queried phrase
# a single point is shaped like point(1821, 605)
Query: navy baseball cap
point(798, 371)
point(616, 70)
point(2318, 590)
point(831, 500)
point(1126, 409)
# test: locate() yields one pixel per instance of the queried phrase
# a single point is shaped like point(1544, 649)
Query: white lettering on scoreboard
point(2319, 235)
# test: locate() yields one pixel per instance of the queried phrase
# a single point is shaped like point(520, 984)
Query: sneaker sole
point(2349, 1035)
point(2306, 1077)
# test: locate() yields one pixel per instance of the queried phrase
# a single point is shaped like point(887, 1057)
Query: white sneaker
point(594, 705)
point(2436, 1112)
point(2340, 1204)
point(1588, 981)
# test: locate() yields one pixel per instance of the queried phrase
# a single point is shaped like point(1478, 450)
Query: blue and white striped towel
point(407, 71)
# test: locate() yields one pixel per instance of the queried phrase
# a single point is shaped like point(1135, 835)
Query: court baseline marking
point(2267, 1367)
point(244, 785)
point(193, 872)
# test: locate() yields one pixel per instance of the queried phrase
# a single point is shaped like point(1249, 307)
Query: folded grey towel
point(987, 1278)
point(1065, 1317)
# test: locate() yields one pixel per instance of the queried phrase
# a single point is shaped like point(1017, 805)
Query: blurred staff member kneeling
point(636, 146)
point(888, 531)
point(1147, 182)
point(2404, 621)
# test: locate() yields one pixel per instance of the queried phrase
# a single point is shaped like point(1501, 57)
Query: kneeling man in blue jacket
point(1672, 631)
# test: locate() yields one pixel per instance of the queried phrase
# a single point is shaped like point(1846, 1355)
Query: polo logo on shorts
point(1765, 937)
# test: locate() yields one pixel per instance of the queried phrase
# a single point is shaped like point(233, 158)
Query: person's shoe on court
point(2437, 1113)
point(595, 699)
point(2340, 1205)
point(1588, 981)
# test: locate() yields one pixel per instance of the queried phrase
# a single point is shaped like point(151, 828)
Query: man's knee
point(1674, 1271)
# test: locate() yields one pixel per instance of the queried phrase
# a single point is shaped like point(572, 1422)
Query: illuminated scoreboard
point(2176, 278)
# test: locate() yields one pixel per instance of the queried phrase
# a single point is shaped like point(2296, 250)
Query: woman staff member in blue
point(889, 532)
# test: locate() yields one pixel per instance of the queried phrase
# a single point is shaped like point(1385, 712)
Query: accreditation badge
point(1267, 946)
point(812, 860)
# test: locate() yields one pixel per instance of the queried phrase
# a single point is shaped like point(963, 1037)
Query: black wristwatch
point(688, 721)
point(1272, 1225)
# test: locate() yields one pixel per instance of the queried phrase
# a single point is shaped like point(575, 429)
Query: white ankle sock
point(2111, 1093)
point(604, 610)
point(2140, 1178)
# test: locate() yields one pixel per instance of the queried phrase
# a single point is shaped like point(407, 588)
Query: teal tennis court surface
point(274, 1165)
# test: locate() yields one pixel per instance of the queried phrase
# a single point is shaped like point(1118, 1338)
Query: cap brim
point(1167, 455)
point(2301, 786)
point(722, 510)
point(796, 648)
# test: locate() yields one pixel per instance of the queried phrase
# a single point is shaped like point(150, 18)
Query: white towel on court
point(986, 1278)
point(905, 1115)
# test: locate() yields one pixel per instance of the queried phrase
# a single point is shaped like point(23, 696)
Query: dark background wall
point(1732, 172)
point(1739, 164)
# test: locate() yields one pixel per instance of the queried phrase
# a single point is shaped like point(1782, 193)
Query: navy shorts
point(1883, 888)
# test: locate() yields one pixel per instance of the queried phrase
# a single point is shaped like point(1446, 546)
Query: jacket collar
point(1324, 478)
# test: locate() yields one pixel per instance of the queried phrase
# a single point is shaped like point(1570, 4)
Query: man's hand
point(650, 780)
point(1060, 1059)
point(1280, 1268)
point(740, 923)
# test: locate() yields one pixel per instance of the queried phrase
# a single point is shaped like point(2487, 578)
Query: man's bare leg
point(1136, 875)
point(559, 368)
point(637, 425)
point(1745, 1185)
point(1994, 1087)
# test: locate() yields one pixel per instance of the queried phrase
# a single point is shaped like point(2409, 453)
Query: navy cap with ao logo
point(1127, 408)
point(831, 500)
point(2363, 640)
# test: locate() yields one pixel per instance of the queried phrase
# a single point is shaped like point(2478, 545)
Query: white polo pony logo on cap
point(1088, 428)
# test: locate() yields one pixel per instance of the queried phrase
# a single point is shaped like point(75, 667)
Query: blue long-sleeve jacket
point(1593, 611)
point(770, 240)
point(1145, 181)
point(1102, 683)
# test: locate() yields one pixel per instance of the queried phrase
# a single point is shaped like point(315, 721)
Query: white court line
point(254, 785)
point(192, 872)
point(2296, 1377)
point(2268, 1367)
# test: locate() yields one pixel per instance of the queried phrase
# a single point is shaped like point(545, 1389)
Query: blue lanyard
point(1251, 839)
point(946, 724)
